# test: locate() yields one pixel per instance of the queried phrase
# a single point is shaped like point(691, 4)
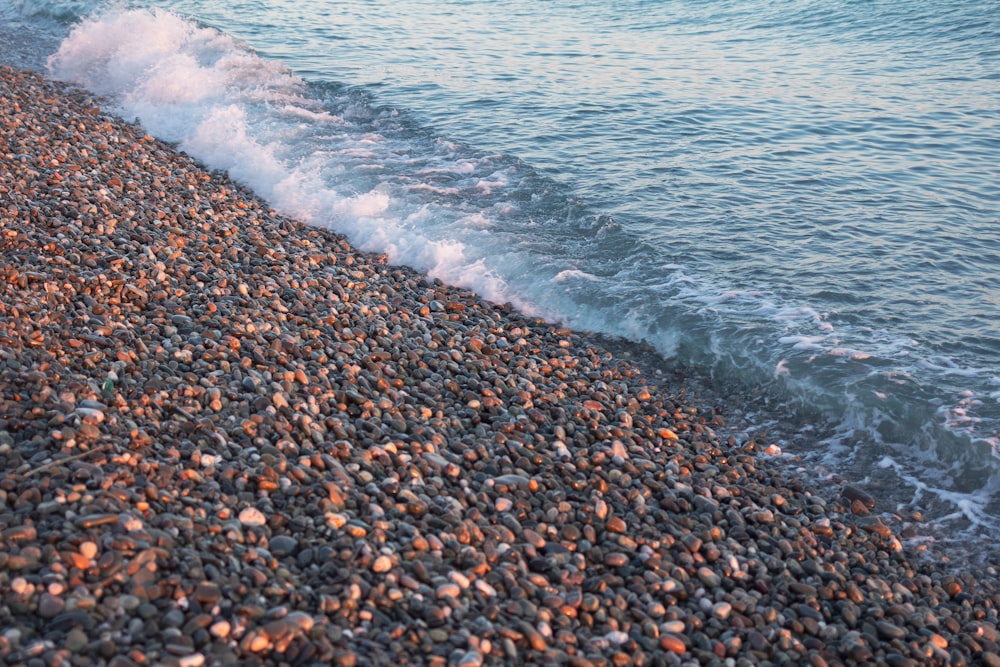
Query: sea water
point(797, 199)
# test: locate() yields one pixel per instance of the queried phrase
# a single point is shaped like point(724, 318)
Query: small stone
point(672, 643)
point(207, 593)
point(512, 481)
point(471, 659)
point(616, 525)
point(95, 520)
point(279, 629)
point(301, 620)
point(990, 659)
point(20, 586)
point(88, 550)
point(898, 660)
point(535, 640)
point(757, 640)
point(450, 590)
point(382, 564)
point(616, 559)
point(173, 618)
point(191, 660)
point(722, 610)
point(20, 533)
point(674, 627)
point(858, 508)
point(256, 642)
point(282, 545)
point(76, 640)
point(129, 602)
point(709, 577)
point(147, 611)
point(485, 588)
point(616, 637)
point(50, 606)
point(179, 645)
point(220, 629)
point(121, 661)
point(889, 630)
point(853, 493)
point(533, 538)
point(802, 589)
point(251, 516)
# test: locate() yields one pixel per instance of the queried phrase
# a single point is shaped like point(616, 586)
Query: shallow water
point(801, 200)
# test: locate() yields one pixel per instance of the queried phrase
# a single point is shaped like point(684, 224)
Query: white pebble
point(131, 523)
point(220, 629)
point(88, 549)
point(193, 660)
point(674, 627)
point(617, 637)
point(722, 610)
point(19, 585)
point(601, 509)
point(252, 516)
point(485, 588)
point(382, 564)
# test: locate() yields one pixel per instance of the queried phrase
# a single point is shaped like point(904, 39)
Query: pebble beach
point(227, 438)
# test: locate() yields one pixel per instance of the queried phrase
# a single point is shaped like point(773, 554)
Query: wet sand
point(227, 438)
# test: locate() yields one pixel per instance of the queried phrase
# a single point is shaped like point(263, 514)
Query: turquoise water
point(798, 199)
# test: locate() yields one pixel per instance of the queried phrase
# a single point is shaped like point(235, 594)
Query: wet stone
point(283, 545)
point(990, 659)
point(207, 593)
point(76, 641)
point(709, 577)
point(890, 630)
point(173, 619)
point(50, 606)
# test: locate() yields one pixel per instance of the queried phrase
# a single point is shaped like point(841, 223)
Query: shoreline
point(228, 438)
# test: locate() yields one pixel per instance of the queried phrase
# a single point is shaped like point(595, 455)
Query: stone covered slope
point(226, 438)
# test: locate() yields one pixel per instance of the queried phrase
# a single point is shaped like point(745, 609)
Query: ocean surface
point(799, 200)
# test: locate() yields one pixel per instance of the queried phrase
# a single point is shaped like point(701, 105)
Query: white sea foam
point(573, 274)
point(803, 342)
point(237, 112)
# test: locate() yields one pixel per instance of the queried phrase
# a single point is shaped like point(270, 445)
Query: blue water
point(798, 199)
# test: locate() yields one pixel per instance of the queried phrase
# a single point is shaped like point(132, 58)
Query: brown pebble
point(535, 640)
point(122, 661)
point(616, 525)
point(853, 493)
point(207, 593)
point(382, 564)
point(616, 559)
point(673, 643)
